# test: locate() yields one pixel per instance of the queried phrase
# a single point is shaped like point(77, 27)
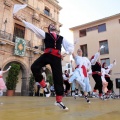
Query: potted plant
point(31, 85)
point(12, 79)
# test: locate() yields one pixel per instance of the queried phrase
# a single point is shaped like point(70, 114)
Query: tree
point(31, 85)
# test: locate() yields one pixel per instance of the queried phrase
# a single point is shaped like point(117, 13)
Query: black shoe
point(88, 101)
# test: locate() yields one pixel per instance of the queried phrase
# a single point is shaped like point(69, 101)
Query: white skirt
point(78, 76)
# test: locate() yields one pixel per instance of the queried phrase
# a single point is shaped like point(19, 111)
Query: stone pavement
point(41, 108)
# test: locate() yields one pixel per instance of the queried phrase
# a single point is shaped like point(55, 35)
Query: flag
point(18, 7)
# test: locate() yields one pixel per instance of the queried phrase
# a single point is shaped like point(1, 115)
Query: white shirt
point(69, 48)
point(87, 64)
point(79, 61)
point(64, 77)
point(94, 60)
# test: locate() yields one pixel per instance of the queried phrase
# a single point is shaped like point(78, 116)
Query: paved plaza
point(41, 108)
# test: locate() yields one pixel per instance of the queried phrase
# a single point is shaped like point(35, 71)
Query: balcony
point(7, 36)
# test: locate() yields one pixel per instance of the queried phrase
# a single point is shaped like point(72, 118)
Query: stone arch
point(24, 75)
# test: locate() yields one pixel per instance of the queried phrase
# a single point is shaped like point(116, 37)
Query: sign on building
point(20, 46)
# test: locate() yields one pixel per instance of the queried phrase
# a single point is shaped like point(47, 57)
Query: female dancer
point(107, 76)
point(2, 83)
point(80, 72)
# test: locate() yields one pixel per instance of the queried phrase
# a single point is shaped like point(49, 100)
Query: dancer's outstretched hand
point(18, 17)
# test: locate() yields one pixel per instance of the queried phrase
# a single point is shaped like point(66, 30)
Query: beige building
point(38, 12)
point(105, 32)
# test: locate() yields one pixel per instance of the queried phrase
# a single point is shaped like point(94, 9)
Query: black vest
point(96, 67)
point(50, 42)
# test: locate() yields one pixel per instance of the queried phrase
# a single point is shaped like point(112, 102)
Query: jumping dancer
point(51, 56)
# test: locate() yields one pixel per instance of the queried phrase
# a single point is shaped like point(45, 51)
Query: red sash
point(53, 51)
point(84, 70)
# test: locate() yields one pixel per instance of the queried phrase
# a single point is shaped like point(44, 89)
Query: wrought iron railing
point(7, 36)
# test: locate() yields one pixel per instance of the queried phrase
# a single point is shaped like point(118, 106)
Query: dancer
point(80, 72)
point(2, 83)
point(51, 56)
point(96, 74)
point(104, 82)
point(65, 80)
point(87, 65)
point(107, 77)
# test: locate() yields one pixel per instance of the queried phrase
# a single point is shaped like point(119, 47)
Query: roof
point(96, 21)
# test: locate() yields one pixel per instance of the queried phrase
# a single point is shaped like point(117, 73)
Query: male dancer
point(96, 74)
point(51, 56)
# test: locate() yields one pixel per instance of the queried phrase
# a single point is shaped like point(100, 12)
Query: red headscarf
point(91, 57)
point(103, 65)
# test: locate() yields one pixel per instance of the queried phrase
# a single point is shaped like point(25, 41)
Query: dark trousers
point(98, 83)
point(37, 92)
point(110, 83)
point(56, 66)
point(67, 86)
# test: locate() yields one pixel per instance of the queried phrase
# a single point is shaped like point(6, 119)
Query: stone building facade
point(38, 12)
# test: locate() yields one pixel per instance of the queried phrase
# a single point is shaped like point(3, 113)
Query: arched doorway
point(22, 85)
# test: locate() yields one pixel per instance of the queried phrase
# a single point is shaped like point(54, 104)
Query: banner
point(20, 46)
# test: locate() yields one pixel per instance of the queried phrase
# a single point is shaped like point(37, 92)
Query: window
point(102, 28)
point(84, 50)
point(92, 28)
point(107, 60)
point(68, 65)
point(69, 71)
point(47, 11)
point(82, 33)
point(119, 21)
point(105, 50)
point(19, 31)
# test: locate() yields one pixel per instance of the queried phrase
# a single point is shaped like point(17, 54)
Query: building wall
point(34, 13)
point(92, 40)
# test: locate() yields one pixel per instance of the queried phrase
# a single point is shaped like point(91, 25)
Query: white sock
point(45, 89)
point(1, 93)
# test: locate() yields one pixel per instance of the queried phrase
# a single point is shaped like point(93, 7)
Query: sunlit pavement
point(41, 108)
